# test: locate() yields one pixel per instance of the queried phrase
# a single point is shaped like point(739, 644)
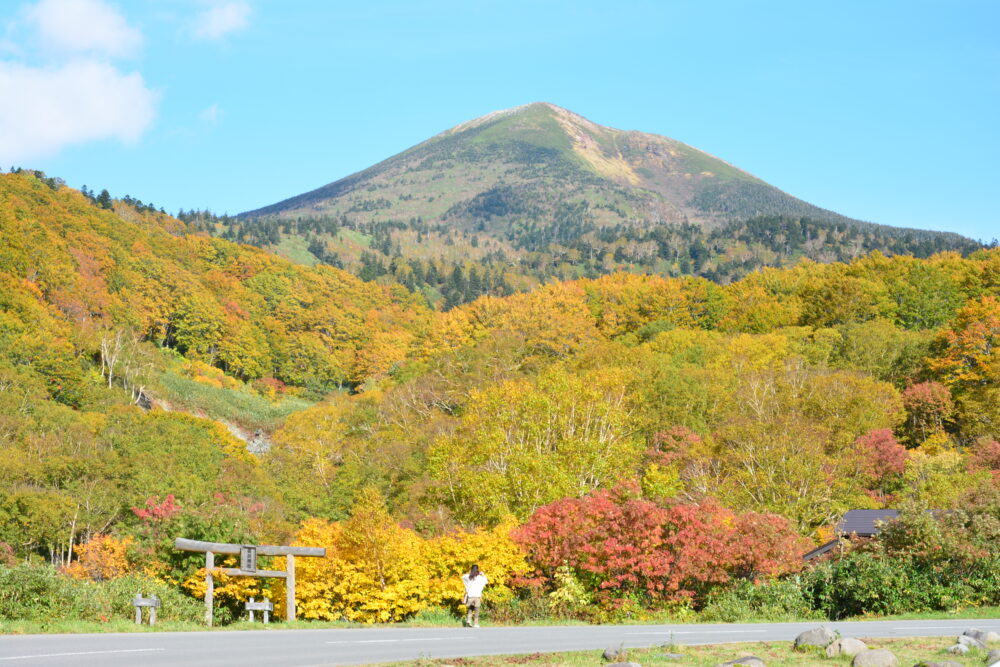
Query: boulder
point(993, 656)
point(878, 657)
point(615, 654)
point(970, 641)
point(958, 649)
point(820, 637)
point(846, 646)
point(745, 661)
point(976, 633)
point(982, 635)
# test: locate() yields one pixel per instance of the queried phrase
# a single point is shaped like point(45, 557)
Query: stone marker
point(879, 657)
point(152, 604)
point(745, 661)
point(820, 637)
point(265, 606)
point(846, 646)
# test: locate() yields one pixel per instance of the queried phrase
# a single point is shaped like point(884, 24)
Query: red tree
point(928, 406)
point(984, 454)
point(617, 543)
point(882, 457)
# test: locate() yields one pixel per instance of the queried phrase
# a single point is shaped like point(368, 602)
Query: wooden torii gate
point(248, 566)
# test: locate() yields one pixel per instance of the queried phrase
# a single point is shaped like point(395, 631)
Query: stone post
point(209, 586)
point(290, 589)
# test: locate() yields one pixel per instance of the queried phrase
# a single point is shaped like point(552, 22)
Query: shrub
point(377, 571)
point(865, 584)
point(623, 547)
point(103, 557)
point(40, 593)
point(778, 600)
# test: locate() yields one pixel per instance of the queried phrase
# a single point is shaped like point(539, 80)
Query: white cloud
point(84, 26)
point(211, 114)
point(43, 110)
point(221, 19)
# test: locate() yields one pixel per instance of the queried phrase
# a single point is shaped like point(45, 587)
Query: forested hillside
point(518, 197)
point(715, 431)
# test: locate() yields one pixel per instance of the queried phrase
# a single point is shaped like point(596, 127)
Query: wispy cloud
point(211, 114)
point(84, 26)
point(221, 19)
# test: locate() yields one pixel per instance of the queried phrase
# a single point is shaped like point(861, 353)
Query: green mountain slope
point(520, 196)
point(502, 164)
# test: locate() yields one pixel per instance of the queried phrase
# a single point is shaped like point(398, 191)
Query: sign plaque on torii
point(248, 566)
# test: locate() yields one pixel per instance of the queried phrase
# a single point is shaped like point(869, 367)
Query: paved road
point(352, 647)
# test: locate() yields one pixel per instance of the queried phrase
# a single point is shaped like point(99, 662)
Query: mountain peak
point(545, 151)
point(523, 110)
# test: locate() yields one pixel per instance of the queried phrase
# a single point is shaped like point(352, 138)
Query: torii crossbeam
point(248, 566)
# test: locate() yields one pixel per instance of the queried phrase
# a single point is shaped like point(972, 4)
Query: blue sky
point(884, 111)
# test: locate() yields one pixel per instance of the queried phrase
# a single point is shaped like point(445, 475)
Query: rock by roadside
point(820, 637)
point(846, 646)
point(878, 657)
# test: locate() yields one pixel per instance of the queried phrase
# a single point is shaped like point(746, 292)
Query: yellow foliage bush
point(377, 571)
point(201, 372)
point(226, 588)
point(497, 555)
point(103, 557)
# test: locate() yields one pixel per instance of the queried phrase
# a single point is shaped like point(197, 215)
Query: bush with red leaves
point(620, 545)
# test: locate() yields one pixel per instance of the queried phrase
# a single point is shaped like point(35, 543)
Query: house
point(863, 523)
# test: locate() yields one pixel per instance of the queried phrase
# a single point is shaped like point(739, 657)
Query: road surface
point(368, 645)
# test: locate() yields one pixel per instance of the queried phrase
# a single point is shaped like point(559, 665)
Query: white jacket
point(474, 587)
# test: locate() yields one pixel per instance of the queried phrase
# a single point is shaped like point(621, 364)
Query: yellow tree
point(523, 443)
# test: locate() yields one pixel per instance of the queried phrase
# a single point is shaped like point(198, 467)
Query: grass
point(296, 249)
point(354, 237)
point(128, 625)
point(774, 654)
point(237, 406)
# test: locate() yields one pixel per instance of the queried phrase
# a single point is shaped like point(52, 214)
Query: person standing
point(474, 582)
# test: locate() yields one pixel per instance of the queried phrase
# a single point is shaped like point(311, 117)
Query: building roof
point(862, 522)
point(820, 550)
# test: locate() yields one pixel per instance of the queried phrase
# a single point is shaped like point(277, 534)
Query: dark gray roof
point(820, 550)
point(862, 522)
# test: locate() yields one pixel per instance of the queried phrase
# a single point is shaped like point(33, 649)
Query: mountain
point(517, 197)
point(502, 164)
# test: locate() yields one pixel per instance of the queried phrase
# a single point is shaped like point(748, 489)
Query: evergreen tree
point(104, 199)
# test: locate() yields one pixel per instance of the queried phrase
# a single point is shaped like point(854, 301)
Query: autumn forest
point(606, 448)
